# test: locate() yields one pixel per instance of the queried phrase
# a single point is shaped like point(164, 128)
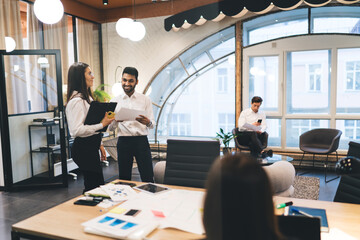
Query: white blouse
point(76, 111)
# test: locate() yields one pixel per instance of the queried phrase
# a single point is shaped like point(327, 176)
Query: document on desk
point(336, 234)
point(127, 114)
point(180, 209)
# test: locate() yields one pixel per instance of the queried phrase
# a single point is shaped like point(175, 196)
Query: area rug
point(306, 187)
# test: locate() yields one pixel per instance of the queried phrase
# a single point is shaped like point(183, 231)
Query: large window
point(348, 81)
point(196, 91)
point(339, 19)
point(320, 87)
point(308, 72)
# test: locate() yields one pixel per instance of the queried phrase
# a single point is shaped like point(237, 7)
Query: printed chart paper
point(127, 114)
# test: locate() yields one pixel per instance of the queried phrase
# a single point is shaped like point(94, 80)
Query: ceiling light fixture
point(105, 2)
point(49, 11)
point(10, 44)
point(131, 29)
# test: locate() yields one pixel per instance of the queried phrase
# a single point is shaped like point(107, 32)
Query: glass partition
point(34, 145)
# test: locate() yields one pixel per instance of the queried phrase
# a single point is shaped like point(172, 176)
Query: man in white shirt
point(252, 126)
point(133, 141)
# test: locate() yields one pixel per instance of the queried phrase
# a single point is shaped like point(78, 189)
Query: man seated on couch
point(252, 126)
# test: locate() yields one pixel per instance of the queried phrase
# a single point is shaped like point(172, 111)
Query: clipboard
point(97, 112)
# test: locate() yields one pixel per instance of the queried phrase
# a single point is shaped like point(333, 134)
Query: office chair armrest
point(348, 165)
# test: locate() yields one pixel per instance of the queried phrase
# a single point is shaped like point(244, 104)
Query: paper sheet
point(118, 192)
point(127, 114)
point(252, 127)
point(336, 234)
point(182, 209)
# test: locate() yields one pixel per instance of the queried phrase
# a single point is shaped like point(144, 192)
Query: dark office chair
point(322, 141)
point(348, 190)
point(241, 147)
point(188, 161)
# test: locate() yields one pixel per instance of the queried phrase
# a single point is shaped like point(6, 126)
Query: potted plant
point(100, 95)
point(225, 138)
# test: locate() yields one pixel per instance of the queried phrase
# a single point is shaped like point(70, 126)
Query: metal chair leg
point(326, 166)
point(302, 158)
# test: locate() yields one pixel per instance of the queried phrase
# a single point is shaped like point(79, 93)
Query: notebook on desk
point(97, 112)
point(316, 212)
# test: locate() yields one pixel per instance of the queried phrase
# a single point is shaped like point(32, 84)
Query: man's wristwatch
point(149, 124)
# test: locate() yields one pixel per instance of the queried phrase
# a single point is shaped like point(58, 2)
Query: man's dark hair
point(256, 99)
point(132, 71)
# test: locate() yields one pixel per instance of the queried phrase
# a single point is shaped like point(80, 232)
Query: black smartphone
point(259, 120)
point(86, 202)
point(132, 212)
point(126, 183)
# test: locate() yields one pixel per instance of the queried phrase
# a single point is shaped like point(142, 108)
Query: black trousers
point(256, 141)
point(138, 147)
point(85, 153)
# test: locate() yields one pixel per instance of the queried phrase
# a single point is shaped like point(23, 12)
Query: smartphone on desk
point(126, 183)
point(86, 202)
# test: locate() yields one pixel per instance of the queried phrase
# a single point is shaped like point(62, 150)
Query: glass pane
point(351, 132)
point(202, 110)
point(165, 82)
point(201, 61)
point(30, 83)
point(218, 45)
point(304, 94)
point(348, 79)
point(282, 24)
point(326, 21)
point(274, 131)
point(31, 87)
point(264, 81)
point(223, 48)
point(296, 127)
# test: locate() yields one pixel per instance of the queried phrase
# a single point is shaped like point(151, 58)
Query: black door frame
point(4, 120)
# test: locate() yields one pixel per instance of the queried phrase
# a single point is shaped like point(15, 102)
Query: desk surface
point(64, 221)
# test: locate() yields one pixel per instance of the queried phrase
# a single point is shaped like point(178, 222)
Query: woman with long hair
point(85, 149)
point(238, 202)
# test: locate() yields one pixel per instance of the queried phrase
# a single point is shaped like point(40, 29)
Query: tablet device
point(97, 112)
point(152, 188)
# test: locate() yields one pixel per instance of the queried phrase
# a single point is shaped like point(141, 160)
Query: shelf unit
point(49, 131)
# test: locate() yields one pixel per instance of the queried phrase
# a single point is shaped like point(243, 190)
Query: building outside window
point(353, 75)
point(226, 121)
point(352, 129)
point(222, 80)
point(314, 73)
point(180, 124)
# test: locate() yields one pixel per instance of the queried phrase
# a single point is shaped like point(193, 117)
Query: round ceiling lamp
point(49, 11)
point(138, 31)
point(10, 44)
point(128, 28)
point(123, 27)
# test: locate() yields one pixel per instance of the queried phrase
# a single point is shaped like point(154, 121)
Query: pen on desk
point(301, 212)
point(282, 205)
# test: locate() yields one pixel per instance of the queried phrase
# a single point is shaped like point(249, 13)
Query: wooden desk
point(64, 221)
